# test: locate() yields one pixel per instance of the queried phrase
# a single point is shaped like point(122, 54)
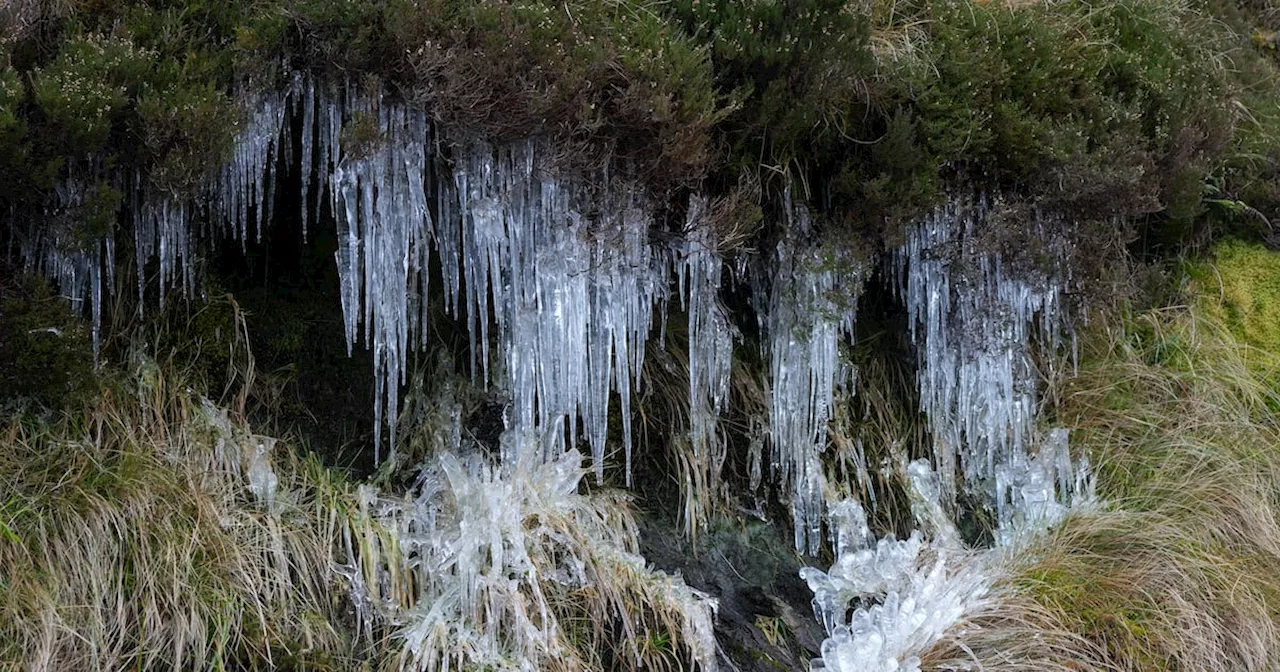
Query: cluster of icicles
point(563, 277)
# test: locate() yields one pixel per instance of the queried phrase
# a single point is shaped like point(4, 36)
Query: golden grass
point(131, 541)
point(131, 537)
point(1177, 569)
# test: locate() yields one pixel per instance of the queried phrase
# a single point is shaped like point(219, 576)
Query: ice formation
point(82, 276)
point(1036, 492)
point(263, 482)
point(244, 190)
point(810, 310)
point(236, 451)
point(973, 316)
point(384, 231)
point(563, 277)
point(883, 605)
point(162, 230)
point(710, 340)
point(163, 222)
point(84, 271)
point(570, 278)
point(563, 273)
point(462, 565)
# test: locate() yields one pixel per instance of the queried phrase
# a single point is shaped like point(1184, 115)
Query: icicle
point(569, 278)
point(162, 229)
point(304, 88)
point(810, 307)
point(245, 186)
point(383, 225)
point(710, 341)
point(78, 268)
point(972, 319)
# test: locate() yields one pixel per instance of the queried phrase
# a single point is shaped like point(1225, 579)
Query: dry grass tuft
point(129, 539)
point(1177, 570)
point(155, 531)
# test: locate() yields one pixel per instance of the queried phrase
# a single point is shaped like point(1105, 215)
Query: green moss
point(1242, 287)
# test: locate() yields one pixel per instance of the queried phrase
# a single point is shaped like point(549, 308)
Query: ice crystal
point(244, 191)
point(570, 278)
point(885, 605)
point(486, 556)
point(710, 339)
point(84, 271)
point(810, 310)
point(973, 316)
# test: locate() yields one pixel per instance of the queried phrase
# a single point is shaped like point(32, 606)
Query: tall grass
point(128, 539)
point(1177, 570)
point(153, 530)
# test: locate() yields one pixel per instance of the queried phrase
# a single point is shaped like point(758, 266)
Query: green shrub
point(189, 129)
point(46, 356)
point(84, 89)
point(1111, 108)
point(603, 79)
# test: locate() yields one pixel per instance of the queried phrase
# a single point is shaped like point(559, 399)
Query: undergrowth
point(147, 528)
point(130, 540)
point(1162, 111)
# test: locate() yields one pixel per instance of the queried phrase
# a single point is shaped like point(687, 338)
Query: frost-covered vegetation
point(518, 295)
point(155, 530)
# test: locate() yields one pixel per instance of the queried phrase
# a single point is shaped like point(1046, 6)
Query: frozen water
point(384, 231)
point(84, 271)
point(562, 273)
point(562, 278)
point(478, 546)
point(162, 230)
point(973, 316)
point(243, 193)
point(710, 340)
point(809, 311)
point(885, 605)
point(927, 505)
point(570, 279)
point(1036, 492)
point(263, 482)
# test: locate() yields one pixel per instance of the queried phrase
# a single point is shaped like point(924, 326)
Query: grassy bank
point(149, 529)
point(1174, 568)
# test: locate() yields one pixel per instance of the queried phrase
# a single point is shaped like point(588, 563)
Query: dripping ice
point(571, 280)
point(564, 280)
point(974, 317)
point(700, 269)
point(561, 277)
point(162, 221)
point(809, 311)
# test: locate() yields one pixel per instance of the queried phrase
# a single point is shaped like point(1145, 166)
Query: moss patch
point(1242, 287)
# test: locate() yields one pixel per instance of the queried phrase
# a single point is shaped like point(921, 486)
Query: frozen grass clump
point(513, 569)
point(130, 538)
